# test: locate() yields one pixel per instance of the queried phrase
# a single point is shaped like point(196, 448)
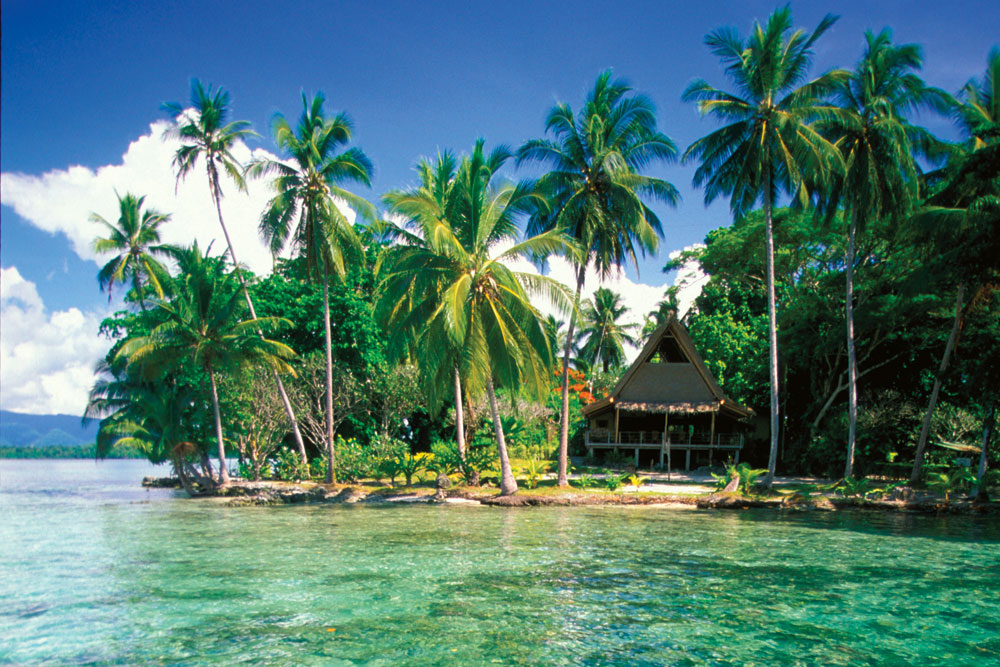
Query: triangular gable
point(679, 333)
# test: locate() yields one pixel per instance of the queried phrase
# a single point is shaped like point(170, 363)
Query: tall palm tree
point(880, 174)
point(768, 142)
point(135, 236)
point(304, 210)
point(606, 335)
point(595, 191)
point(202, 327)
point(455, 279)
point(435, 199)
point(205, 134)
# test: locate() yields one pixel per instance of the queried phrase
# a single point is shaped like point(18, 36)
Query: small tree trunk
point(772, 331)
point(925, 429)
point(331, 473)
point(852, 363)
point(223, 473)
point(563, 480)
point(459, 416)
point(508, 485)
point(213, 179)
point(987, 432)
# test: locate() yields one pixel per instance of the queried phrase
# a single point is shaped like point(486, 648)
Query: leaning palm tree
point(768, 142)
point(135, 237)
point(205, 134)
point(880, 174)
point(606, 335)
point(595, 190)
point(472, 309)
point(305, 213)
point(202, 327)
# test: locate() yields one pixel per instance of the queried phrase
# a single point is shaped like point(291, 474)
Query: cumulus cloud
point(63, 199)
point(46, 358)
point(689, 281)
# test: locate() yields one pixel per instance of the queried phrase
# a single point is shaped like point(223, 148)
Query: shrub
point(288, 467)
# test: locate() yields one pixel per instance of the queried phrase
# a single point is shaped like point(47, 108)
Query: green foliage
point(854, 487)
point(636, 481)
point(409, 466)
point(747, 477)
point(533, 471)
point(958, 479)
point(480, 457)
point(288, 466)
point(585, 481)
point(612, 481)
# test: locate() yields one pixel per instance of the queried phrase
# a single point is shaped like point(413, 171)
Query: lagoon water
point(94, 569)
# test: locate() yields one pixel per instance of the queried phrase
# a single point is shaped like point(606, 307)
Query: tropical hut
point(667, 405)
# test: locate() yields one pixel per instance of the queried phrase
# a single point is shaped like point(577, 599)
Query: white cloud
point(46, 359)
point(63, 199)
point(640, 298)
point(690, 279)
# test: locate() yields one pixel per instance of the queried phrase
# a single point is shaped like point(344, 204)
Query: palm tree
point(595, 191)
point(880, 175)
point(978, 115)
point(437, 198)
point(201, 327)
point(964, 214)
point(305, 213)
point(606, 336)
point(468, 307)
point(768, 142)
point(205, 134)
point(135, 236)
point(150, 416)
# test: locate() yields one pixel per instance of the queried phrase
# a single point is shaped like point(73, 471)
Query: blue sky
point(82, 81)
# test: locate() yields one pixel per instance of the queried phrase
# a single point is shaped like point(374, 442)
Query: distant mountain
point(21, 430)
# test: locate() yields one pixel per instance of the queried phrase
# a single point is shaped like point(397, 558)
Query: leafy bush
point(853, 487)
point(288, 467)
point(533, 472)
point(585, 481)
point(947, 483)
point(636, 481)
point(748, 477)
point(481, 456)
point(613, 482)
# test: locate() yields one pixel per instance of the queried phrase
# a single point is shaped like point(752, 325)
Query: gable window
point(668, 352)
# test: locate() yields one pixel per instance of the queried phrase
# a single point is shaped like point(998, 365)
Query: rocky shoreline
point(269, 493)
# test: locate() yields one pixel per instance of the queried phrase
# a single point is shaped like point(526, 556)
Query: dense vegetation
point(862, 254)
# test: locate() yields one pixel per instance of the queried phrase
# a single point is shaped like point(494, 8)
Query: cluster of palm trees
point(448, 295)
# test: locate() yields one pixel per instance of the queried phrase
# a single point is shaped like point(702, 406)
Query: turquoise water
point(96, 570)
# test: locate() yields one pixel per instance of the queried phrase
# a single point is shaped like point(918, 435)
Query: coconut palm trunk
point(331, 473)
point(772, 329)
point(459, 416)
point(852, 361)
point(508, 485)
point(213, 178)
point(564, 413)
point(223, 473)
point(925, 429)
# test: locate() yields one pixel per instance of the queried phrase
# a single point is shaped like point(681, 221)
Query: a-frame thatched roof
point(669, 376)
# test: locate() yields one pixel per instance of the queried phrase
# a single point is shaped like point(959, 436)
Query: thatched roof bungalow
point(667, 403)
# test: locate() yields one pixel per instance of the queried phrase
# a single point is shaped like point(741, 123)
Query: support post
point(687, 459)
point(711, 441)
point(636, 458)
point(666, 438)
point(616, 427)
